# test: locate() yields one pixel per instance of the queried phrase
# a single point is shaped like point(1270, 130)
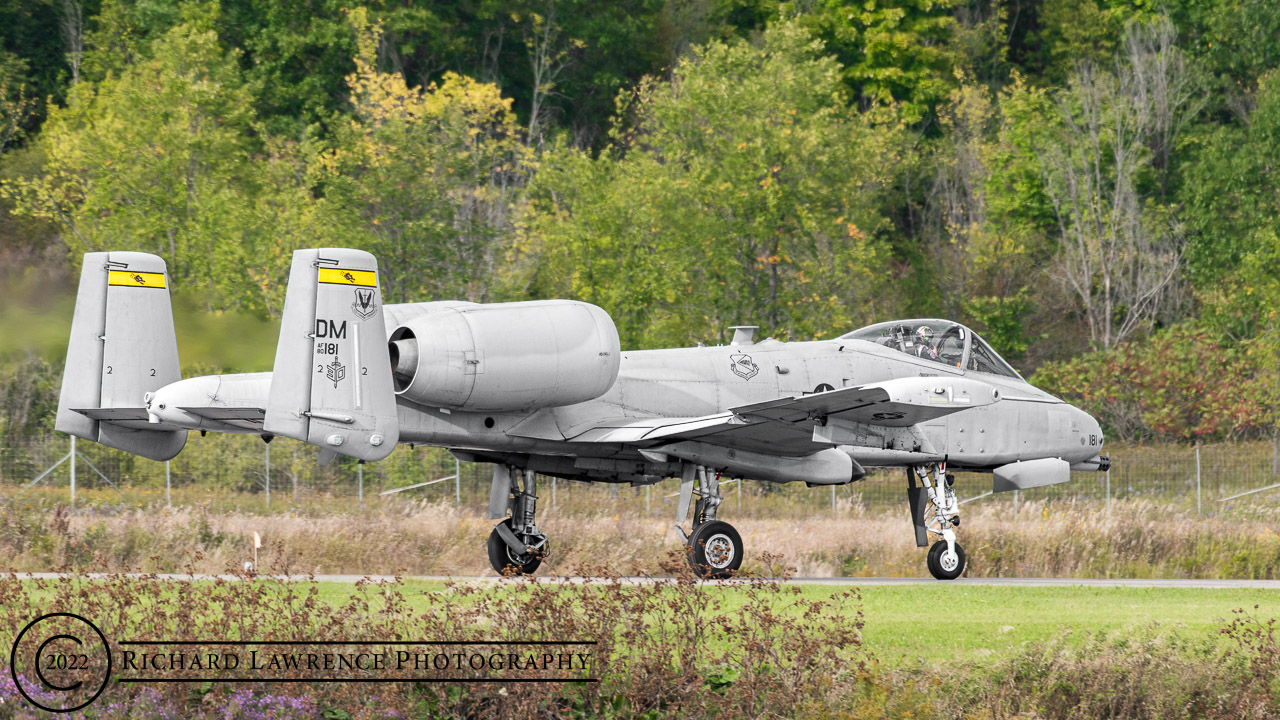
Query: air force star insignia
point(365, 306)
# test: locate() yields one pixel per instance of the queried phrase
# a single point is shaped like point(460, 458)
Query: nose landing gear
point(945, 563)
point(935, 514)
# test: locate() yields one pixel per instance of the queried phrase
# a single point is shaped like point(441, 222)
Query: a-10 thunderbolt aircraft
point(544, 388)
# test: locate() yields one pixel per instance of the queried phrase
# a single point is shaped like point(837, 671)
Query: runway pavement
point(840, 581)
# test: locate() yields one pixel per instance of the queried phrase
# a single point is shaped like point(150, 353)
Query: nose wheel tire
point(715, 550)
point(506, 561)
point(944, 565)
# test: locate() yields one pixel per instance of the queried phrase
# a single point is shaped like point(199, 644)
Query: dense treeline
point(1091, 184)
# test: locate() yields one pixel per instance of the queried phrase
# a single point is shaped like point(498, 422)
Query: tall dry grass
point(1131, 539)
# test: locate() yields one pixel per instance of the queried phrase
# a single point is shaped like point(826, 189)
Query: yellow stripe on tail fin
point(127, 278)
point(348, 276)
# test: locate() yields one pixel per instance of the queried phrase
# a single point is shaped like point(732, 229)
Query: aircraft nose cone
point(1092, 430)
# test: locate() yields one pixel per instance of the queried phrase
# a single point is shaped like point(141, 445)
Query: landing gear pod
point(331, 385)
point(1030, 474)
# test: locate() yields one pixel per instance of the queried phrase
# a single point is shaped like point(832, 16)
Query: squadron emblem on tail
point(335, 371)
point(365, 306)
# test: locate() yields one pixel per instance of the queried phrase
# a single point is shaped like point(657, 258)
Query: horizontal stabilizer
point(226, 413)
point(115, 414)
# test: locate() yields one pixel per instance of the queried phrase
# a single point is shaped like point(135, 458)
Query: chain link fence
point(1160, 473)
point(218, 467)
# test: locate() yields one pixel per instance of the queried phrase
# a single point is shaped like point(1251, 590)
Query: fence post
point(73, 469)
point(1198, 479)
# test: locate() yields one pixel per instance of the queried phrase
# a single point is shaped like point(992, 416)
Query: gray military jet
point(545, 388)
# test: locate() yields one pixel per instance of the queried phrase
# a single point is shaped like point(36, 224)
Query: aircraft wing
point(894, 403)
point(794, 426)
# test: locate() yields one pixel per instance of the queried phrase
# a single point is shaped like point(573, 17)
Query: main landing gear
point(935, 515)
point(714, 547)
point(516, 546)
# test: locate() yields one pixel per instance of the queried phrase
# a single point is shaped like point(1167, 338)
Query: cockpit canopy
point(940, 341)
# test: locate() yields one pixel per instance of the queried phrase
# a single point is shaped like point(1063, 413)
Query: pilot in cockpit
point(924, 344)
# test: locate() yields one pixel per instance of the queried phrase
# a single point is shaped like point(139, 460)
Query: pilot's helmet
point(924, 335)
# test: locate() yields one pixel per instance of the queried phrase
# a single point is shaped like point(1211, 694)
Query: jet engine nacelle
point(505, 357)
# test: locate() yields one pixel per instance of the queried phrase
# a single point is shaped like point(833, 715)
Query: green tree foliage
point(1234, 255)
point(166, 158)
point(295, 54)
point(1230, 193)
point(423, 178)
point(985, 260)
point(17, 106)
point(566, 58)
point(34, 42)
point(143, 160)
point(898, 50)
point(1065, 33)
point(891, 51)
point(1181, 384)
point(1237, 42)
point(563, 62)
point(121, 34)
point(745, 191)
point(1104, 165)
point(28, 397)
point(1033, 170)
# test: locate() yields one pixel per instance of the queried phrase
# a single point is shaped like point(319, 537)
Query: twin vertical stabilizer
point(122, 347)
point(331, 385)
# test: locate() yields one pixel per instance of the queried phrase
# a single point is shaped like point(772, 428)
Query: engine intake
point(506, 357)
